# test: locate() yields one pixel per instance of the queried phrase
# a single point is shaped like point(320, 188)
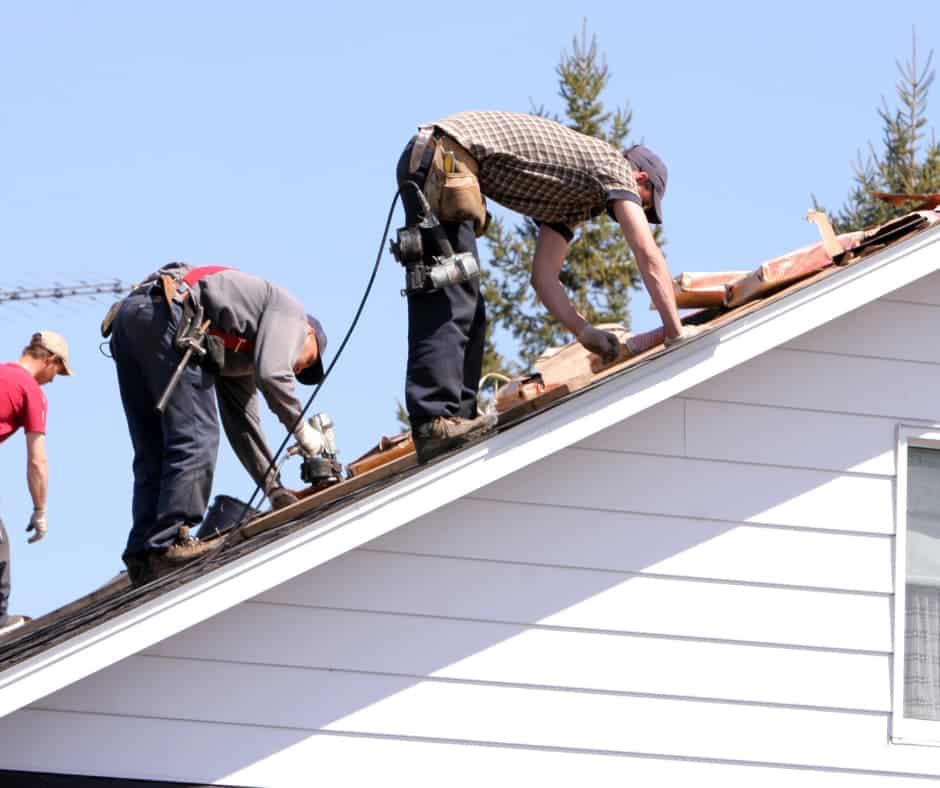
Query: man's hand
point(604, 343)
point(309, 440)
point(38, 524)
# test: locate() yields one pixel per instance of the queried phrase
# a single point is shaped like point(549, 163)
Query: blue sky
point(264, 136)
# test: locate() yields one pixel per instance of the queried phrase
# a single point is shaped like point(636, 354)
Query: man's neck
point(31, 365)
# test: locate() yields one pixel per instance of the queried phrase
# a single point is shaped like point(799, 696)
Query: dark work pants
point(4, 573)
point(446, 328)
point(174, 454)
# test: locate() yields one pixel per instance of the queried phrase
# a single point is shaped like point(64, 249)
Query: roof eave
point(567, 423)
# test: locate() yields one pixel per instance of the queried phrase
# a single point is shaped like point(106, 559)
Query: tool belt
point(177, 286)
point(451, 184)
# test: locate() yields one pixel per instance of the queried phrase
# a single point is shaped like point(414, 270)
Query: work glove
point(309, 440)
point(687, 333)
point(38, 524)
point(604, 343)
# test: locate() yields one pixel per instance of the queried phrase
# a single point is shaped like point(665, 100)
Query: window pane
point(922, 614)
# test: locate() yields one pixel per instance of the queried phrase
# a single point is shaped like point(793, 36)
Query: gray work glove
point(309, 440)
point(38, 524)
point(604, 343)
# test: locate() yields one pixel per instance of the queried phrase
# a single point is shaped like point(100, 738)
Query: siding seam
point(762, 644)
point(664, 756)
point(687, 518)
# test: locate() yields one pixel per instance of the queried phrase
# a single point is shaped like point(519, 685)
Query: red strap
point(195, 274)
point(232, 342)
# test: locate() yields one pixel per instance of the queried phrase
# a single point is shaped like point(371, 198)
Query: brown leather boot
point(448, 432)
point(138, 569)
point(185, 549)
point(279, 497)
point(9, 624)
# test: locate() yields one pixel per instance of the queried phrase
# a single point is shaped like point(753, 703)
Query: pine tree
point(600, 268)
point(908, 164)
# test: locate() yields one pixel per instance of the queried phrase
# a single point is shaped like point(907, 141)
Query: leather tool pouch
point(452, 186)
point(213, 360)
point(461, 200)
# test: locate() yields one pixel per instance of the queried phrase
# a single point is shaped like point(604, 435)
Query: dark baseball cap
point(313, 374)
point(645, 160)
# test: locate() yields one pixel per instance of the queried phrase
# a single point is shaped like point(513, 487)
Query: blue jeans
point(446, 328)
point(4, 573)
point(174, 453)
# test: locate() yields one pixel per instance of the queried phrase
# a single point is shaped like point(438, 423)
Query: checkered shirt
point(541, 168)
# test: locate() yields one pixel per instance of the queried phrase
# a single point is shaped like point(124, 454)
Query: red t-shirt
point(22, 403)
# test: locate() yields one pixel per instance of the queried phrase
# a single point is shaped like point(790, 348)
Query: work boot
point(448, 432)
point(184, 550)
point(279, 497)
point(9, 623)
point(138, 568)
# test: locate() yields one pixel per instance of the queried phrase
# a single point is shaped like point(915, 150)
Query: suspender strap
point(195, 274)
point(231, 341)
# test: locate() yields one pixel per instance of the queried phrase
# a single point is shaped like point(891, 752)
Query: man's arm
point(551, 248)
point(37, 469)
point(652, 264)
point(238, 407)
point(37, 477)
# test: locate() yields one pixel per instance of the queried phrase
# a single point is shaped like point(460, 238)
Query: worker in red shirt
point(22, 404)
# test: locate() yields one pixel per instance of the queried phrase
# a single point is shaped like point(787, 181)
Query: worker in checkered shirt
point(558, 177)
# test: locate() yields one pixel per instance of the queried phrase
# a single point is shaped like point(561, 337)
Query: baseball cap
point(56, 344)
point(644, 159)
point(313, 374)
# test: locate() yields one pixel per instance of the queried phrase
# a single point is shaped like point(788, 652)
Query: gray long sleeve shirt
point(267, 315)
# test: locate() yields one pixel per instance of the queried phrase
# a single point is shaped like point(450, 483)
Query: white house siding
point(700, 595)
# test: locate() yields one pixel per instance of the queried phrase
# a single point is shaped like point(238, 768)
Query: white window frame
point(905, 730)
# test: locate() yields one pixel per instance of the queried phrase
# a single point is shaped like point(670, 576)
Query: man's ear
point(641, 177)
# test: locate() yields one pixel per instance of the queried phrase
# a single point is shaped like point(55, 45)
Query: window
point(916, 702)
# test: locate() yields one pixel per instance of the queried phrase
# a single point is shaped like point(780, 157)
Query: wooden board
point(560, 365)
point(329, 495)
point(393, 449)
point(695, 290)
point(530, 406)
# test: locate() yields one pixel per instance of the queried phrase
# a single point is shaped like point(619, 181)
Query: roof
point(116, 621)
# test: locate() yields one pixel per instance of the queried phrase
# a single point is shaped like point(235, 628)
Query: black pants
point(174, 453)
point(446, 328)
point(4, 573)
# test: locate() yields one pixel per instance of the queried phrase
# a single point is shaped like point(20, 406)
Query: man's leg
point(4, 573)
point(174, 453)
point(439, 324)
point(133, 348)
point(473, 360)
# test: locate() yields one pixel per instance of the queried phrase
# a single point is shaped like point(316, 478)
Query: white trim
point(569, 422)
point(905, 730)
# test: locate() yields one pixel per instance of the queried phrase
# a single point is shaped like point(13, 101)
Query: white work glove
point(309, 440)
point(38, 524)
point(604, 343)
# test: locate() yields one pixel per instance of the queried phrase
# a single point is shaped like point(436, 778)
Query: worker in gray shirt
point(260, 339)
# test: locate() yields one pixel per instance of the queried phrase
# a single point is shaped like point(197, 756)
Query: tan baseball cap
point(55, 343)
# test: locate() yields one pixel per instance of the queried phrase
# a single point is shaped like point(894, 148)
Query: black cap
point(313, 374)
point(645, 160)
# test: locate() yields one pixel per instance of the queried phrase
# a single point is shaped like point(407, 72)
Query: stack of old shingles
point(715, 294)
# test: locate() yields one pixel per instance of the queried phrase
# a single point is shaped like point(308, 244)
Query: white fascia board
point(563, 425)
